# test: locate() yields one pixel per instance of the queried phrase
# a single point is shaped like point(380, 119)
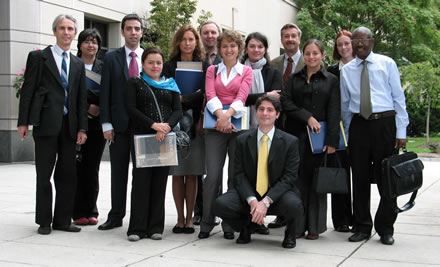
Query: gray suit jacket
point(279, 61)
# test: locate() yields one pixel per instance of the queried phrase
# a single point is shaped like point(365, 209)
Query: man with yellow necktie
point(266, 168)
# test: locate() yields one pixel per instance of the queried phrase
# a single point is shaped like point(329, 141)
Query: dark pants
point(88, 175)
point(59, 152)
point(341, 203)
point(119, 160)
point(370, 141)
point(147, 214)
point(235, 211)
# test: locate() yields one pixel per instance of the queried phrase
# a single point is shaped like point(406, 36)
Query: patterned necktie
point(133, 69)
point(365, 105)
point(262, 173)
point(64, 80)
point(288, 70)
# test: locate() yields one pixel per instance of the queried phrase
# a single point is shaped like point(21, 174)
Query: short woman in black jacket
point(149, 184)
point(265, 79)
point(310, 96)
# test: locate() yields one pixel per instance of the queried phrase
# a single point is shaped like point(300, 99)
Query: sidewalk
point(417, 235)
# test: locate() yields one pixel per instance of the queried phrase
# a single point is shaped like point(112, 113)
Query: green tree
point(204, 16)
point(166, 16)
point(422, 86)
point(406, 30)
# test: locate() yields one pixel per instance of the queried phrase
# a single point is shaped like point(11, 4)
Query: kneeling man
point(266, 168)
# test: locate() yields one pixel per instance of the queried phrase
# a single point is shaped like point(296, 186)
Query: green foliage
point(204, 17)
point(166, 16)
point(418, 145)
point(405, 30)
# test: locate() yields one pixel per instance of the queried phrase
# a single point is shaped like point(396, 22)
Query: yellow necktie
point(262, 174)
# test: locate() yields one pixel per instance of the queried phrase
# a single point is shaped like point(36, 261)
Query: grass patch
point(416, 144)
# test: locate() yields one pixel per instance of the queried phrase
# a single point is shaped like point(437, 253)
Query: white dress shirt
point(57, 53)
point(385, 90)
point(260, 134)
point(295, 59)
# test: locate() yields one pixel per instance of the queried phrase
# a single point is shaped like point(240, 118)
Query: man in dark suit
point(291, 61)
point(54, 99)
point(266, 168)
point(119, 65)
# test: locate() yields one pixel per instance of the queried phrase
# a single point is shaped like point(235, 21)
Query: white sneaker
point(134, 238)
point(156, 236)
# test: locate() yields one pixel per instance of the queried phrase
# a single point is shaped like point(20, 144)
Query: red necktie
point(288, 70)
point(133, 69)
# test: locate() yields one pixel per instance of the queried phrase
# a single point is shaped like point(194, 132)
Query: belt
point(379, 115)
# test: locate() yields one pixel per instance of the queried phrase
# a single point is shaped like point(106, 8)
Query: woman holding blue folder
point(187, 47)
point(312, 95)
point(88, 161)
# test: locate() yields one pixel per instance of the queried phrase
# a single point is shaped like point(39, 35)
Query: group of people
point(271, 165)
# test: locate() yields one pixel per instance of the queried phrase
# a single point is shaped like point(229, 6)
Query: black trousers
point(59, 152)
point(341, 203)
point(88, 175)
point(370, 141)
point(147, 214)
point(235, 212)
point(119, 160)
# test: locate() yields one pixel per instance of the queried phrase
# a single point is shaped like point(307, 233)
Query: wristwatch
point(266, 203)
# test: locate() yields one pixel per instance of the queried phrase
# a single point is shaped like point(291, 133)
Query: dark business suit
point(55, 135)
point(283, 163)
point(114, 111)
point(300, 100)
point(278, 63)
point(88, 168)
point(341, 203)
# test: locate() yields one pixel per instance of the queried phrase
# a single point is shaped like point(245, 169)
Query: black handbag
point(330, 179)
point(402, 174)
point(183, 140)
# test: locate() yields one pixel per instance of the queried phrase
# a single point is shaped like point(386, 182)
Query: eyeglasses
point(94, 42)
point(363, 41)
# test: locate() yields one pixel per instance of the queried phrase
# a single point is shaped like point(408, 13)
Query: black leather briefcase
point(402, 174)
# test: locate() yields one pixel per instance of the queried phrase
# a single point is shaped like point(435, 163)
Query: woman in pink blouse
point(228, 84)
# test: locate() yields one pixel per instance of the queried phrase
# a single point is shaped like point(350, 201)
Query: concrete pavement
point(417, 235)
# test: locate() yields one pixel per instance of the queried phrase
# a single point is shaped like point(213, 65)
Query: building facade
point(26, 25)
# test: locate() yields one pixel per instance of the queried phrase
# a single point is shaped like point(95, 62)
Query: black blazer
point(43, 81)
point(114, 77)
point(320, 99)
point(272, 81)
point(334, 69)
point(283, 164)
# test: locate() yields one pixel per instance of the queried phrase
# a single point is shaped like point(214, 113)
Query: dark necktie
point(365, 105)
point(64, 80)
point(133, 69)
point(288, 70)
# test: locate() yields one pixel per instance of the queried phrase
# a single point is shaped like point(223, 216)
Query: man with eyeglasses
point(374, 113)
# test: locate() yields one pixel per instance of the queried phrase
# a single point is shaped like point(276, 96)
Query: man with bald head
point(374, 113)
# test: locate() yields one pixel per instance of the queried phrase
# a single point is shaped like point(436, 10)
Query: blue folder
point(189, 81)
point(317, 140)
point(240, 124)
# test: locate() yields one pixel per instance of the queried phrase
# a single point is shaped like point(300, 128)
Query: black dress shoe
point(244, 237)
point(197, 219)
point(178, 230)
point(44, 230)
point(342, 228)
point(109, 224)
point(229, 235)
point(188, 230)
point(289, 240)
point(387, 239)
point(262, 230)
point(277, 223)
point(359, 236)
point(66, 228)
point(203, 235)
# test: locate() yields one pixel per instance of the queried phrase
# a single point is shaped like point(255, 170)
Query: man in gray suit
point(289, 62)
point(292, 60)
